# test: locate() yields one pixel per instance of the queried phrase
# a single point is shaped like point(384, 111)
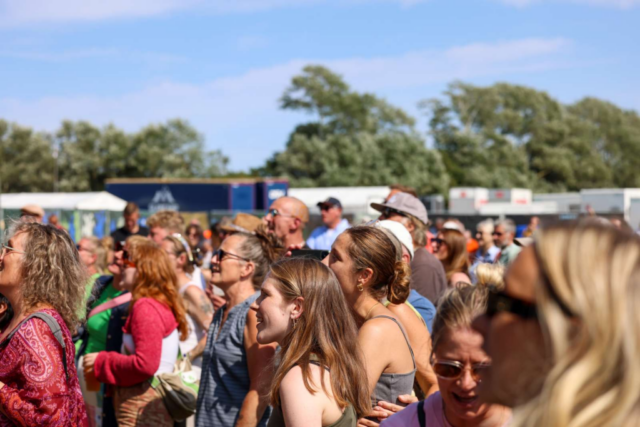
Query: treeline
point(498, 136)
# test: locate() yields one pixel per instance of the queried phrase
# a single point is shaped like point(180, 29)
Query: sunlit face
point(460, 395)
point(515, 345)
point(274, 314)
point(157, 234)
point(130, 221)
point(167, 246)
point(85, 249)
point(193, 237)
point(283, 222)
point(330, 214)
point(484, 235)
point(440, 248)
point(500, 237)
point(11, 261)
point(228, 270)
point(341, 263)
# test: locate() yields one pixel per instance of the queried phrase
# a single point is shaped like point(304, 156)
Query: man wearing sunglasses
point(427, 274)
point(323, 237)
point(286, 218)
point(503, 235)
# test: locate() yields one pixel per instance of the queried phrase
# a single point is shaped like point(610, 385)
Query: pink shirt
point(408, 417)
point(433, 411)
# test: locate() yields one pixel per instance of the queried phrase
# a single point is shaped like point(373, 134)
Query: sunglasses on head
point(452, 369)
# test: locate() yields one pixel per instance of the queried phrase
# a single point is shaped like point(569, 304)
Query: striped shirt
point(225, 375)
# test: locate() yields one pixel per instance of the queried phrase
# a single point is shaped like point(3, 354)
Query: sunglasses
point(387, 212)
point(495, 233)
point(221, 254)
point(119, 246)
point(275, 212)
point(500, 302)
point(452, 369)
point(437, 240)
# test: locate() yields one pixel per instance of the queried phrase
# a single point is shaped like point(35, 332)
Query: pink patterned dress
point(36, 391)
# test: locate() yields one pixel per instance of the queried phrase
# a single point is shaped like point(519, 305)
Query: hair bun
point(400, 283)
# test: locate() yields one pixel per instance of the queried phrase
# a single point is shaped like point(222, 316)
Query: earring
point(360, 287)
point(295, 322)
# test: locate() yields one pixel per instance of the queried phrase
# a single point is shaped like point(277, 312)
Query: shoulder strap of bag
point(121, 299)
point(56, 330)
point(422, 422)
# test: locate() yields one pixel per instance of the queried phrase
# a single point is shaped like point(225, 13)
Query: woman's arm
point(259, 362)
point(199, 307)
point(372, 338)
point(147, 333)
point(300, 408)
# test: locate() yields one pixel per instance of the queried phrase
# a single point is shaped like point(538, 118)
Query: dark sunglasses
point(452, 369)
point(495, 233)
point(386, 213)
point(118, 246)
point(221, 254)
point(275, 212)
point(500, 302)
point(437, 240)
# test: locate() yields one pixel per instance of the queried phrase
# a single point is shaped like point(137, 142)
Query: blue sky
point(223, 64)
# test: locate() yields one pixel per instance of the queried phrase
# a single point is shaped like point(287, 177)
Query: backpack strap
point(56, 330)
point(422, 422)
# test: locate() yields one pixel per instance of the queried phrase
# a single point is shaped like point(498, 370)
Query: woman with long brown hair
point(364, 261)
point(156, 323)
point(320, 379)
point(451, 249)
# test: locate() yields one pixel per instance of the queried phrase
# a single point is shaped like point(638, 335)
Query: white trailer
point(515, 196)
point(354, 200)
point(623, 201)
point(467, 200)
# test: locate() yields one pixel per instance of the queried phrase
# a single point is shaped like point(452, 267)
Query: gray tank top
point(390, 386)
point(225, 376)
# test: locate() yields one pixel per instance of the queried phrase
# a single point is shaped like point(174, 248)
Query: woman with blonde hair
point(43, 280)
point(459, 362)
point(156, 323)
point(564, 334)
point(450, 247)
point(490, 276)
point(320, 379)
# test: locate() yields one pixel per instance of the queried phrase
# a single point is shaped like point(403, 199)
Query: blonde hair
point(51, 271)
point(490, 276)
point(171, 221)
point(456, 309)
point(588, 310)
point(326, 329)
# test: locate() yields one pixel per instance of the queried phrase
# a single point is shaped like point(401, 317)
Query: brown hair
point(325, 329)
point(171, 221)
point(371, 248)
point(456, 309)
point(404, 189)
point(156, 279)
point(51, 271)
point(457, 260)
point(262, 249)
point(178, 248)
point(130, 209)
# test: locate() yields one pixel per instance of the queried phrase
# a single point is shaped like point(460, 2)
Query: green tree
point(26, 162)
point(355, 139)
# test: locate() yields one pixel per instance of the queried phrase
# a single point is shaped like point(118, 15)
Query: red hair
point(157, 279)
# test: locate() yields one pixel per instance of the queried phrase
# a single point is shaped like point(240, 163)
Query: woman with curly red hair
point(156, 324)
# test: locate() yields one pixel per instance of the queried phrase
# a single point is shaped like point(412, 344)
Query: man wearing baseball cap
point(323, 237)
point(427, 273)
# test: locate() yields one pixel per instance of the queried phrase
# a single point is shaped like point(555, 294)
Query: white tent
point(89, 201)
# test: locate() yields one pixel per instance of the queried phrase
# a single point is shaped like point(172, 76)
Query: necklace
point(370, 310)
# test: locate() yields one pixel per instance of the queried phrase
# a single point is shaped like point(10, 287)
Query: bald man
point(286, 218)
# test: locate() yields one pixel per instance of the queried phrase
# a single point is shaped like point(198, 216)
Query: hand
point(89, 361)
point(363, 422)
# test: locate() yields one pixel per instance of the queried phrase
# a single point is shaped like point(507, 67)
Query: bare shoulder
point(194, 293)
point(379, 327)
point(293, 381)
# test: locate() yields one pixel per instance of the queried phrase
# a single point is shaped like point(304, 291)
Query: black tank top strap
point(403, 334)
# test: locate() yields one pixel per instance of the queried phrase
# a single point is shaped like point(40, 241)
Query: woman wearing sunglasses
point(564, 334)
point(234, 363)
point(458, 361)
point(450, 247)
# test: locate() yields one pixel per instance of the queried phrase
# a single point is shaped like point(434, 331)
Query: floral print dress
point(37, 391)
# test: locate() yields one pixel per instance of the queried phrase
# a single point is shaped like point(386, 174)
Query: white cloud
point(16, 13)
point(239, 113)
point(619, 4)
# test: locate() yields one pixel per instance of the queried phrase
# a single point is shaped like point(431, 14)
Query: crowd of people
point(260, 322)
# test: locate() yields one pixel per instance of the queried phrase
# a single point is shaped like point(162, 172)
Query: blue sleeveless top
point(225, 376)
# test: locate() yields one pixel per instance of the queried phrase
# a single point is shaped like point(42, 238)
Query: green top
point(97, 325)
